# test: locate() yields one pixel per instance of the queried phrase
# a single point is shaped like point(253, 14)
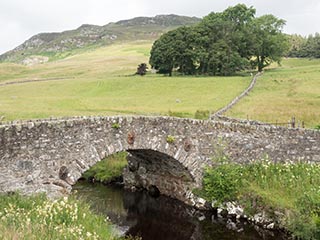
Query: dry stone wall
point(238, 98)
point(51, 155)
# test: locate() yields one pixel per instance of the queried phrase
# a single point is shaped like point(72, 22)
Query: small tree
point(269, 44)
point(142, 69)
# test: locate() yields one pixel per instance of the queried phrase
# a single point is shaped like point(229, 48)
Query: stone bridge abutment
point(169, 153)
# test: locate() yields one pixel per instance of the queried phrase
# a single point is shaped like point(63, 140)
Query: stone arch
point(146, 168)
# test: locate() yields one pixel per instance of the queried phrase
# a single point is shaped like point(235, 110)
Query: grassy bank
point(39, 218)
point(291, 190)
point(107, 169)
point(36, 217)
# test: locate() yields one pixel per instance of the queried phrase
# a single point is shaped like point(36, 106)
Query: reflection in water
point(162, 218)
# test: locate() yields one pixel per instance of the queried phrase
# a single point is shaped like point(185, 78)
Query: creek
point(163, 218)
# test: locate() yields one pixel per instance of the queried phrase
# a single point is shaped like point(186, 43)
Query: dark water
point(162, 218)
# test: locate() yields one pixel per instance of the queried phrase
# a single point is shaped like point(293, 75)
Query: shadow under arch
point(148, 169)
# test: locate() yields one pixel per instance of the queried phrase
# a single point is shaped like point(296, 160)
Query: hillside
point(292, 90)
point(101, 82)
point(44, 47)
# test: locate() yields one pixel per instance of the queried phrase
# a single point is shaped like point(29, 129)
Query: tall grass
point(39, 218)
point(288, 188)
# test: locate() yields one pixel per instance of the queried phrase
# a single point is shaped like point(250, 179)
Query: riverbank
point(285, 195)
point(37, 217)
point(139, 214)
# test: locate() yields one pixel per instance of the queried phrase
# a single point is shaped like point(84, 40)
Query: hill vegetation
point(304, 47)
point(55, 46)
point(102, 82)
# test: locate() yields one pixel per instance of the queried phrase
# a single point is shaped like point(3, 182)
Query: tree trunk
point(260, 64)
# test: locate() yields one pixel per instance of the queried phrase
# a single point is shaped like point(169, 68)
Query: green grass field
point(283, 92)
point(101, 82)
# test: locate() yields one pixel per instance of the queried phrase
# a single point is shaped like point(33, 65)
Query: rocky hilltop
point(59, 45)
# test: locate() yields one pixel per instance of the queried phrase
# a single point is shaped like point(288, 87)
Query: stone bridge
point(169, 153)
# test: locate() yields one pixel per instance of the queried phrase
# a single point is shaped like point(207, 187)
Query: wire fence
point(292, 123)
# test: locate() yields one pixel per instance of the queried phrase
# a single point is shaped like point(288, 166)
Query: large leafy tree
point(174, 50)
point(269, 44)
point(162, 55)
point(222, 44)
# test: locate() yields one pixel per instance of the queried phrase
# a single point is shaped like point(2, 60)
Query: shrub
point(222, 182)
point(291, 189)
point(142, 69)
point(202, 114)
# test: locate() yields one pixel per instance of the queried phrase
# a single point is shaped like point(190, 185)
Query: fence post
point(293, 122)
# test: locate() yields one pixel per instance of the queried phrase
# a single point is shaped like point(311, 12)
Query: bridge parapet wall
point(50, 155)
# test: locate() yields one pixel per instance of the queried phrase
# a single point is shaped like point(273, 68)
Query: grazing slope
point(283, 92)
point(100, 82)
point(51, 46)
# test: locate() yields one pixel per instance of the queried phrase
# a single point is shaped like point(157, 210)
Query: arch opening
point(146, 169)
point(108, 170)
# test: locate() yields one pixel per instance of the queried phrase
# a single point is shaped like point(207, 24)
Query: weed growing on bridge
point(291, 189)
point(39, 218)
point(170, 139)
point(115, 125)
